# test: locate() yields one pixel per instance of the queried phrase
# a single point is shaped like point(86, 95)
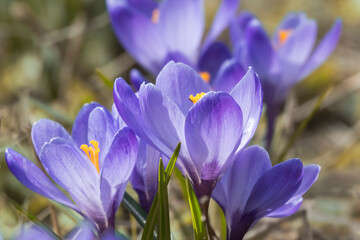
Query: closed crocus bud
point(252, 189)
point(285, 59)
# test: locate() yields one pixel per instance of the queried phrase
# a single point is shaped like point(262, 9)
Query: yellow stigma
point(155, 15)
point(284, 35)
point(92, 152)
point(197, 97)
point(205, 76)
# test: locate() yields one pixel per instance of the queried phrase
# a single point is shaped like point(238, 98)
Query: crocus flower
point(155, 32)
point(252, 189)
point(211, 126)
point(93, 164)
point(285, 59)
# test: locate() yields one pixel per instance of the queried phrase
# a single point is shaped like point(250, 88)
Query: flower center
point(205, 76)
point(284, 35)
point(92, 152)
point(155, 15)
point(197, 97)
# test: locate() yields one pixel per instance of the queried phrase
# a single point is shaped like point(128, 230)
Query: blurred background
point(50, 51)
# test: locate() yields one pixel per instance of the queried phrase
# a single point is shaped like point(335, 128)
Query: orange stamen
point(197, 97)
point(284, 35)
point(92, 152)
point(205, 76)
point(155, 15)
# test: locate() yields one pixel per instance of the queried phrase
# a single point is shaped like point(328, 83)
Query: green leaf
point(105, 79)
point(135, 209)
point(198, 224)
point(164, 222)
point(153, 215)
point(33, 219)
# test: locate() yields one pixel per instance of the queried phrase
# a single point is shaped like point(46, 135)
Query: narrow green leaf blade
point(171, 165)
point(135, 209)
point(198, 225)
point(164, 223)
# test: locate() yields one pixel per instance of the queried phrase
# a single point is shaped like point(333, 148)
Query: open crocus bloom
point(211, 126)
point(252, 189)
point(285, 59)
point(93, 164)
point(155, 32)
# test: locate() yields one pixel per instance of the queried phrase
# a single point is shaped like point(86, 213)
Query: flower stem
point(204, 205)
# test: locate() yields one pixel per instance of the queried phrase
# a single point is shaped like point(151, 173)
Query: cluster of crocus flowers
point(285, 59)
point(93, 164)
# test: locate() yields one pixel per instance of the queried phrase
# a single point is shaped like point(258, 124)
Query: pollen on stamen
point(197, 97)
point(155, 15)
point(283, 35)
point(205, 76)
point(92, 152)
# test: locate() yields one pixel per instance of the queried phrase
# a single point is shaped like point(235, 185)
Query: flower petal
point(136, 79)
point(224, 15)
point(44, 130)
point(182, 26)
point(239, 180)
point(323, 50)
point(138, 35)
point(213, 130)
point(247, 93)
point(288, 209)
point(291, 21)
point(274, 188)
point(230, 73)
point(119, 123)
point(211, 60)
point(72, 170)
point(33, 178)
point(80, 128)
point(178, 81)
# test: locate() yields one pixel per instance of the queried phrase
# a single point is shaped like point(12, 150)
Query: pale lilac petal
point(119, 123)
point(288, 209)
point(323, 50)
point(178, 81)
point(136, 79)
point(238, 27)
point(33, 178)
point(44, 130)
point(224, 15)
point(311, 173)
point(80, 128)
point(230, 73)
point(248, 94)
point(141, 37)
point(292, 20)
point(182, 26)
point(213, 132)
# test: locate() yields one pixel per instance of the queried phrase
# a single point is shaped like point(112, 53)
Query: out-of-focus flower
point(155, 32)
point(285, 59)
point(211, 126)
point(94, 175)
point(252, 189)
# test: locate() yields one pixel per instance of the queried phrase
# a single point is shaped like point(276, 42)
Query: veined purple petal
point(239, 180)
point(79, 131)
point(224, 15)
point(248, 94)
point(213, 131)
point(72, 170)
point(101, 128)
point(44, 130)
point(178, 81)
point(230, 73)
point(211, 60)
point(119, 123)
point(323, 50)
point(33, 178)
point(182, 26)
point(260, 51)
point(141, 37)
point(136, 79)
point(274, 188)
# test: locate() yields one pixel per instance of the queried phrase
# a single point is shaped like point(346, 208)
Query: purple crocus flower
point(285, 59)
point(94, 176)
point(211, 126)
point(252, 189)
point(155, 32)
